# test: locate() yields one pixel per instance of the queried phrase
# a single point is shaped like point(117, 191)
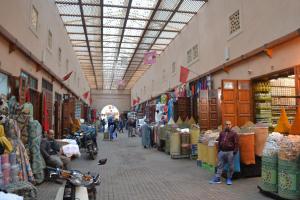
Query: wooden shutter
point(203, 110)
point(57, 119)
point(214, 107)
point(244, 109)
point(297, 82)
point(229, 103)
point(22, 89)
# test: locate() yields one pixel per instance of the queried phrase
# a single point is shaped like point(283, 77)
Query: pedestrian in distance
point(227, 148)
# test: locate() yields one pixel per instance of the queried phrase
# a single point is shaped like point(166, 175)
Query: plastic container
point(269, 171)
point(175, 144)
point(202, 152)
point(289, 179)
point(212, 155)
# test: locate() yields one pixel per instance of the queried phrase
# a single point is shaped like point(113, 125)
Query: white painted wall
point(120, 99)
point(262, 21)
point(15, 16)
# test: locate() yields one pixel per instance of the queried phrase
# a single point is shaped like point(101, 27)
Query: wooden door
point(68, 111)
point(229, 101)
point(49, 106)
point(203, 110)
point(244, 105)
point(297, 83)
point(22, 89)
point(57, 119)
point(214, 107)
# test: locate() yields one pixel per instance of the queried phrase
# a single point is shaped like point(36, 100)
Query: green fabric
point(34, 140)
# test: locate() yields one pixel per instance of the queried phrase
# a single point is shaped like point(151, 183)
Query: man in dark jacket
point(228, 146)
point(52, 153)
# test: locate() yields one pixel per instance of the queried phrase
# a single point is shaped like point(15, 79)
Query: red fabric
point(27, 95)
point(67, 76)
point(184, 73)
point(193, 89)
point(91, 101)
point(46, 115)
point(85, 95)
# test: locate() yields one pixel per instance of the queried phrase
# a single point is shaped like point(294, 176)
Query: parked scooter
point(78, 185)
point(86, 138)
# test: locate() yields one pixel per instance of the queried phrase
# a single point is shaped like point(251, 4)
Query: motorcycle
point(78, 185)
point(86, 138)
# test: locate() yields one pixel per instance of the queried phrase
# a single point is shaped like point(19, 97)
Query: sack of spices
point(290, 148)
point(246, 146)
point(272, 144)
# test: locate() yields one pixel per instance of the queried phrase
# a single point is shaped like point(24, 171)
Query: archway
point(110, 110)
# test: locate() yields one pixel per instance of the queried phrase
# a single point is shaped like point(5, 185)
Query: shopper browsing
point(227, 148)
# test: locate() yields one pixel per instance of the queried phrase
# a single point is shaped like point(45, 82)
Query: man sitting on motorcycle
point(52, 152)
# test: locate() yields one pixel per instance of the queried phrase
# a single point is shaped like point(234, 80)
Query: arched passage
point(110, 110)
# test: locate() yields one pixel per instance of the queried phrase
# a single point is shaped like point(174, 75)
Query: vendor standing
point(228, 145)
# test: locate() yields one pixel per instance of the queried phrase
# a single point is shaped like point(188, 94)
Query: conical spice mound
point(283, 125)
point(179, 121)
point(295, 128)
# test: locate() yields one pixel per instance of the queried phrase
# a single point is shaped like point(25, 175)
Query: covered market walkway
point(135, 173)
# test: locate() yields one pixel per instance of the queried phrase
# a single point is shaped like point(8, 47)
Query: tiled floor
point(135, 173)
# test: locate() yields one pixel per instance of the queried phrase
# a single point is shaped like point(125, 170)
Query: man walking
point(227, 147)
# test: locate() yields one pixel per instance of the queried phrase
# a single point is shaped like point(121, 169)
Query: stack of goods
point(289, 167)
point(185, 142)
point(263, 104)
point(207, 152)
point(270, 162)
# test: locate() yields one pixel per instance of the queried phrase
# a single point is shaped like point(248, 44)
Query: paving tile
point(135, 173)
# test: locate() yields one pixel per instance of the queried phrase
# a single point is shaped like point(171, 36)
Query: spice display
point(209, 136)
point(295, 128)
point(290, 148)
point(283, 125)
point(272, 145)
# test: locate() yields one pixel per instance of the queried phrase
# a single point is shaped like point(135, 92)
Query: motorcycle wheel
point(92, 194)
point(91, 152)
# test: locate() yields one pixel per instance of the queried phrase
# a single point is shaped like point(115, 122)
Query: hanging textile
point(34, 140)
point(46, 115)
point(4, 141)
point(170, 109)
point(188, 91)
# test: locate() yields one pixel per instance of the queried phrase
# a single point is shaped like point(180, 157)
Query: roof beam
point(122, 18)
point(141, 38)
point(87, 40)
point(122, 36)
point(79, 40)
point(119, 6)
point(171, 16)
point(132, 28)
point(74, 33)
